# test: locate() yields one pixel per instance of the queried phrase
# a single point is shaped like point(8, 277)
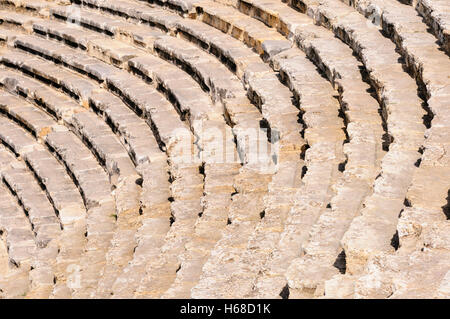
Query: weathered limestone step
point(137, 11)
point(155, 225)
point(277, 109)
point(224, 87)
point(231, 21)
point(134, 132)
point(228, 20)
point(399, 276)
point(17, 20)
point(36, 121)
point(178, 142)
point(241, 283)
point(99, 135)
point(393, 86)
point(437, 16)
point(206, 119)
point(422, 210)
point(93, 183)
point(428, 64)
point(125, 12)
point(208, 228)
point(110, 26)
point(178, 94)
point(116, 79)
point(96, 188)
point(17, 232)
point(42, 216)
point(244, 214)
point(81, 230)
point(282, 191)
point(65, 32)
point(301, 76)
point(187, 190)
point(86, 18)
point(112, 51)
point(222, 84)
point(195, 257)
point(127, 194)
point(111, 81)
point(64, 195)
point(342, 69)
point(332, 56)
point(36, 7)
point(230, 50)
point(17, 247)
point(278, 112)
point(6, 35)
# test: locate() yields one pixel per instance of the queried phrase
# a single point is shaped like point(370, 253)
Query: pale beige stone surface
point(224, 149)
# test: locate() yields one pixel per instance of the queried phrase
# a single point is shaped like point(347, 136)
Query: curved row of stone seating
point(42, 215)
point(335, 59)
point(282, 28)
point(185, 103)
point(64, 194)
point(372, 232)
point(245, 278)
point(90, 17)
point(124, 236)
point(426, 62)
point(130, 61)
point(116, 160)
point(264, 235)
point(437, 16)
point(260, 233)
point(82, 166)
point(17, 247)
point(37, 7)
point(141, 140)
point(219, 81)
point(185, 172)
point(156, 44)
point(268, 17)
point(98, 133)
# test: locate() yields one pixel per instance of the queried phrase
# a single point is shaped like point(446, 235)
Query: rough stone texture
point(224, 149)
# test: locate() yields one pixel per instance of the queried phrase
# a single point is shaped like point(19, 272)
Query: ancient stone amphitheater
point(225, 149)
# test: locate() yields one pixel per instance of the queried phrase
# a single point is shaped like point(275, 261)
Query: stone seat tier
point(186, 104)
point(92, 180)
point(134, 133)
point(320, 113)
point(257, 69)
point(116, 83)
point(128, 230)
point(363, 152)
point(41, 214)
point(183, 290)
point(106, 146)
point(392, 88)
point(400, 276)
point(37, 7)
point(17, 247)
point(157, 41)
point(231, 191)
point(437, 16)
point(64, 194)
point(421, 213)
